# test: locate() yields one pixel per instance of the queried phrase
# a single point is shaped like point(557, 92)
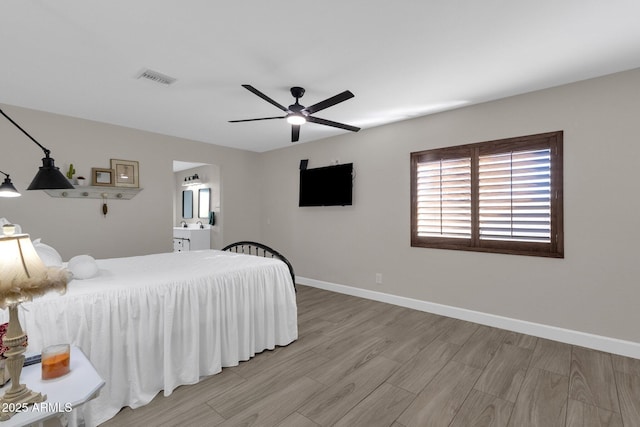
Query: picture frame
point(126, 173)
point(102, 177)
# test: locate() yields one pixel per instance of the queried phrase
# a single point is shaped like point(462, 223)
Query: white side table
point(63, 394)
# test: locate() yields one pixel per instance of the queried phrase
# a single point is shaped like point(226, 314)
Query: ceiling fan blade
point(329, 102)
point(253, 120)
point(263, 96)
point(326, 122)
point(295, 133)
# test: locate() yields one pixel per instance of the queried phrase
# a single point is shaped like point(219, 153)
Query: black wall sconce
point(49, 176)
point(7, 189)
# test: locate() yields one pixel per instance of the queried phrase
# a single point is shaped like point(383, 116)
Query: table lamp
point(23, 276)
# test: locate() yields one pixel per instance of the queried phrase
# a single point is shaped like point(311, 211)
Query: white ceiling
point(401, 59)
point(179, 166)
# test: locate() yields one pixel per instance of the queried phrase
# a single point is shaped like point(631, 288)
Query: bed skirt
point(148, 326)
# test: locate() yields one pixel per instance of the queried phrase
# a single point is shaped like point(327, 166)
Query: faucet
point(200, 223)
point(183, 224)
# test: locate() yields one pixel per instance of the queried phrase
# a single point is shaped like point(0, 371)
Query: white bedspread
point(155, 322)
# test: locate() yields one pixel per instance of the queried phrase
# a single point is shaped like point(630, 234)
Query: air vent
point(155, 76)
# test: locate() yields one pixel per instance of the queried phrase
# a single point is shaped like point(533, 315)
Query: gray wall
point(139, 226)
point(593, 289)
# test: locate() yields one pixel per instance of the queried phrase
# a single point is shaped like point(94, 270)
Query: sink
point(192, 227)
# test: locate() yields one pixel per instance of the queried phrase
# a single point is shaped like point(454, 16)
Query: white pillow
point(49, 256)
point(83, 267)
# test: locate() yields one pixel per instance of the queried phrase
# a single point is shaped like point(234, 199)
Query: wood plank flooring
point(365, 363)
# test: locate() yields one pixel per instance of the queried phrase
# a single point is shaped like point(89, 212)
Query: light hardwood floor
point(365, 363)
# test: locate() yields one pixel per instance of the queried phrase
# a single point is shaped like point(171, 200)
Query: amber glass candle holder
point(55, 361)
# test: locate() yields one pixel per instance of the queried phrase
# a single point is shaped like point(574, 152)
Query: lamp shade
point(23, 275)
point(20, 261)
point(7, 189)
point(49, 177)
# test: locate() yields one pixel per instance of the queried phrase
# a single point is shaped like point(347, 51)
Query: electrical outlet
point(378, 278)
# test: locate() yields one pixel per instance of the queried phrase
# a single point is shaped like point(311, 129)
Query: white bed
point(155, 322)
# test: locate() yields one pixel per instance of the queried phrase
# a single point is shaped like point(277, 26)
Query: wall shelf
point(96, 192)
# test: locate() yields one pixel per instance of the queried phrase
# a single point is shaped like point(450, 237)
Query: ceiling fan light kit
point(296, 119)
point(297, 114)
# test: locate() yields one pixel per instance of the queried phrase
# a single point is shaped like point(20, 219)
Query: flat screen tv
point(327, 186)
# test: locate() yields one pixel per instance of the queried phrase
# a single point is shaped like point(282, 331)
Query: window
point(500, 196)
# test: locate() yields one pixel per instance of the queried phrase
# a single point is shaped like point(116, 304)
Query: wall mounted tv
point(327, 186)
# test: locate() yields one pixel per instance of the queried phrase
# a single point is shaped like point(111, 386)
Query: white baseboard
point(596, 342)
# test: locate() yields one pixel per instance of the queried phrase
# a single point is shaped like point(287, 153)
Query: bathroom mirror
point(187, 204)
point(204, 202)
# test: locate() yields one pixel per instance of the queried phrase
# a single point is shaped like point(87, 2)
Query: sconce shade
point(23, 275)
point(49, 177)
point(7, 189)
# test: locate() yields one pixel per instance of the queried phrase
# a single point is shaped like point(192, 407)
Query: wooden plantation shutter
point(515, 196)
point(498, 196)
point(444, 198)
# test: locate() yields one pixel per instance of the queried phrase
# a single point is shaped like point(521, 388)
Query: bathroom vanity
point(191, 239)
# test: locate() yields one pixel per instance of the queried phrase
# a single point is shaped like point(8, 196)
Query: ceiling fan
point(297, 114)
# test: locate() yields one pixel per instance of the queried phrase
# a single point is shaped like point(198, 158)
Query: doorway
point(197, 198)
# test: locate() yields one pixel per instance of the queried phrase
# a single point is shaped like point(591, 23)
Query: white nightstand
point(67, 392)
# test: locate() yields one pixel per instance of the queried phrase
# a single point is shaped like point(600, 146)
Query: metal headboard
point(258, 249)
